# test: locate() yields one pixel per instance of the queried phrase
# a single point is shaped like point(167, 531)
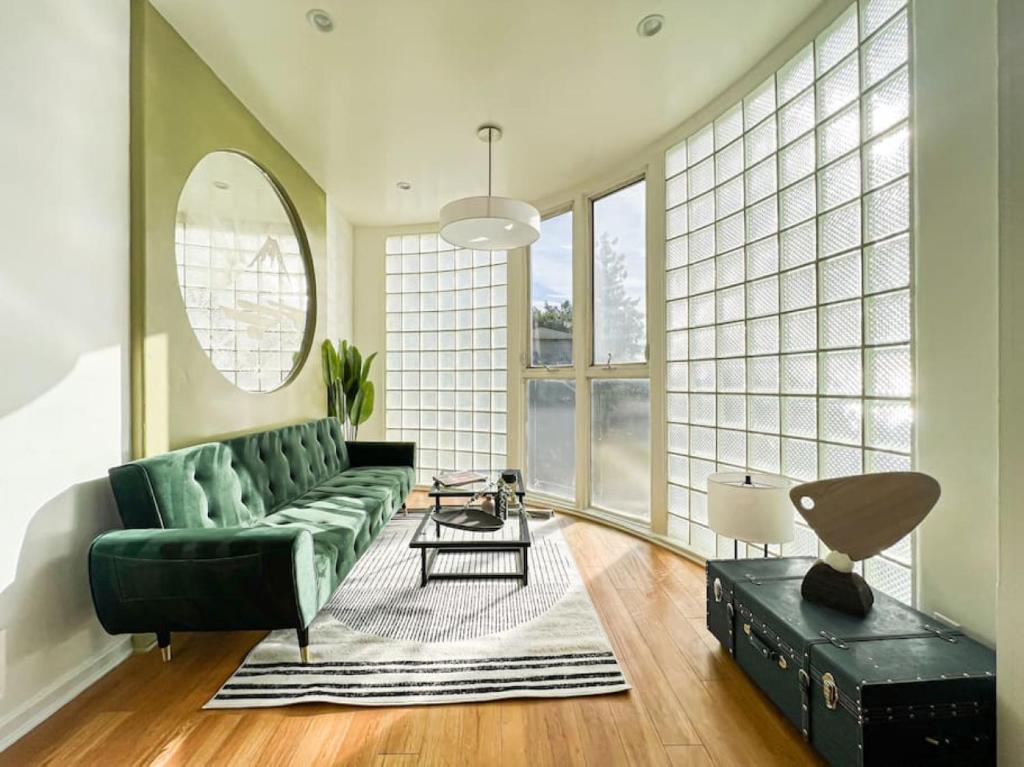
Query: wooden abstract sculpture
point(857, 518)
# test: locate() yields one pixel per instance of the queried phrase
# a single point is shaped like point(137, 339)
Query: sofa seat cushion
point(390, 484)
point(399, 478)
point(342, 529)
point(406, 475)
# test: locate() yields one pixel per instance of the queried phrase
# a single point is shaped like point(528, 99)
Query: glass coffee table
point(434, 540)
point(439, 492)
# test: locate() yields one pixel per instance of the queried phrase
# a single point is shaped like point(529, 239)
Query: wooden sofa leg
point(405, 509)
point(163, 639)
point(303, 635)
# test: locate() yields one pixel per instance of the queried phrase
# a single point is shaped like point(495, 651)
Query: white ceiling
point(397, 90)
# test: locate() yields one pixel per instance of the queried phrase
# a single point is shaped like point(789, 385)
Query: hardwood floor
point(690, 706)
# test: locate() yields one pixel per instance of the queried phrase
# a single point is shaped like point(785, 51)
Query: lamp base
point(846, 592)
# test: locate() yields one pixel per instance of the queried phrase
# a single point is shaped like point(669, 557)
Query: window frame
point(583, 371)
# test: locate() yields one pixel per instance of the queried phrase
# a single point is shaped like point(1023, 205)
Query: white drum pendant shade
point(758, 511)
point(489, 223)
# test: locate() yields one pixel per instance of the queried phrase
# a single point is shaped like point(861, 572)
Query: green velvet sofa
point(254, 532)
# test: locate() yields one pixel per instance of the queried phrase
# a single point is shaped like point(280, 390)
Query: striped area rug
point(384, 641)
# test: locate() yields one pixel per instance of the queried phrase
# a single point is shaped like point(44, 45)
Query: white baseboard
point(47, 701)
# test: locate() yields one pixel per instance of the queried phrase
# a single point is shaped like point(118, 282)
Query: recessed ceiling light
point(222, 184)
point(405, 186)
point(650, 25)
point(320, 20)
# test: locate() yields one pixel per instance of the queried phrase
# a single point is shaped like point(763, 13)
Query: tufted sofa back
point(233, 483)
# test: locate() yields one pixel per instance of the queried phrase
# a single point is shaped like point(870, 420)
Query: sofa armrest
point(382, 453)
point(204, 579)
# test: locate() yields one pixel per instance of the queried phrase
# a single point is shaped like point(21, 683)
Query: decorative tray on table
point(469, 518)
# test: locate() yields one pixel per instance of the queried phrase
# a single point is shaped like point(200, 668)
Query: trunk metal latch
point(830, 691)
point(717, 588)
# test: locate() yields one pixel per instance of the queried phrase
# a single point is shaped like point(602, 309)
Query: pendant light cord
point(490, 152)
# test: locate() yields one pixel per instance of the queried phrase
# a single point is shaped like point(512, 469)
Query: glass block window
point(447, 353)
point(619, 254)
point(788, 281)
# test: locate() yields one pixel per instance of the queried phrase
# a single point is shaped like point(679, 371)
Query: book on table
point(459, 478)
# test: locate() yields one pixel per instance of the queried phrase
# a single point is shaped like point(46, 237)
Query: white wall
point(63, 338)
point(340, 272)
point(957, 300)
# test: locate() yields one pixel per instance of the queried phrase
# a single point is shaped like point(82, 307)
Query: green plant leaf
point(357, 365)
point(331, 371)
point(366, 368)
point(355, 408)
point(350, 376)
point(325, 362)
point(342, 359)
point(338, 400)
point(366, 398)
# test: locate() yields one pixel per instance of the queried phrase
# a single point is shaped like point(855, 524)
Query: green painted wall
point(181, 111)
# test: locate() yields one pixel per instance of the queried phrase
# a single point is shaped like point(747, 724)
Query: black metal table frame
point(429, 550)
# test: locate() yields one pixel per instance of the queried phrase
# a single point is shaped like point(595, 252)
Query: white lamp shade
point(489, 223)
point(758, 512)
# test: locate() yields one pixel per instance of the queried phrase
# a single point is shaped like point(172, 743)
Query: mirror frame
point(312, 307)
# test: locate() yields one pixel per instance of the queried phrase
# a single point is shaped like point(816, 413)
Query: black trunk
point(893, 687)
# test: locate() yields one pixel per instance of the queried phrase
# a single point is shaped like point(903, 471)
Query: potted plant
point(350, 393)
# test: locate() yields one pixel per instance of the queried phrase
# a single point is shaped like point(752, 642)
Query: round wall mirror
point(244, 272)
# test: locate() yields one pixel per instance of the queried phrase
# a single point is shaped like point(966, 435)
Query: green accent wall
point(180, 111)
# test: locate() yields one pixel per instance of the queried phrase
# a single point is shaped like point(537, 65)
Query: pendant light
point(489, 223)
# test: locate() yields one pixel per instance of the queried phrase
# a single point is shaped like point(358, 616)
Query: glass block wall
point(788, 281)
point(446, 366)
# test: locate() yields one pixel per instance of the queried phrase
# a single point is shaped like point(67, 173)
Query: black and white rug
point(382, 640)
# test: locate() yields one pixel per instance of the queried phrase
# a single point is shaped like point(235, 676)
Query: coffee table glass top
point(514, 533)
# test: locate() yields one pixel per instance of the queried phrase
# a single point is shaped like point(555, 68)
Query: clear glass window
point(551, 293)
point(620, 277)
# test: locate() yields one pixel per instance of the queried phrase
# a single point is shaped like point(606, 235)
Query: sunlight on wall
point(64, 340)
point(41, 446)
point(156, 406)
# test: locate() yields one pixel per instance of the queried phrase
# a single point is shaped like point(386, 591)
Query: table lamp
point(750, 507)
